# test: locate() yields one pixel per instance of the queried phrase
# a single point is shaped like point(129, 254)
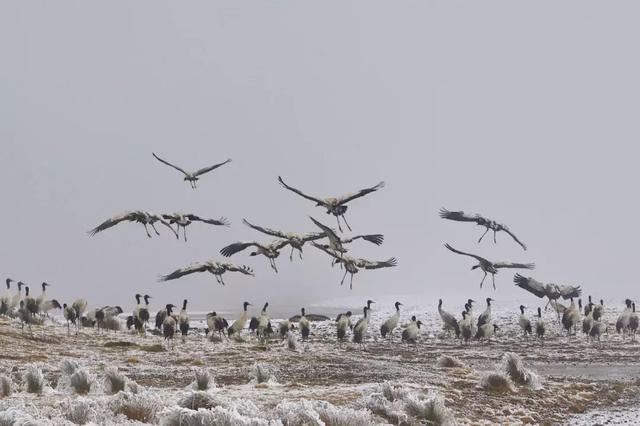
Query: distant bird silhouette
point(192, 177)
point(217, 269)
point(550, 291)
point(137, 216)
point(489, 267)
point(184, 220)
point(270, 251)
point(352, 265)
point(296, 241)
point(334, 205)
point(461, 216)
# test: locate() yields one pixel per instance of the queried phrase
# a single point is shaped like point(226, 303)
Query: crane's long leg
point(485, 233)
point(494, 237)
point(493, 277)
point(343, 277)
point(184, 231)
point(273, 265)
point(338, 220)
point(351, 283)
point(345, 222)
point(222, 280)
point(291, 255)
point(482, 282)
point(147, 230)
point(300, 253)
point(154, 228)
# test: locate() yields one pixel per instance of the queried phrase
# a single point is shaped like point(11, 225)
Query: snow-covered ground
point(319, 381)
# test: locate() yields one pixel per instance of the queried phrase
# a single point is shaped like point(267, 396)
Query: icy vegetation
point(114, 381)
point(33, 379)
point(496, 382)
point(512, 365)
point(447, 361)
point(125, 378)
point(5, 386)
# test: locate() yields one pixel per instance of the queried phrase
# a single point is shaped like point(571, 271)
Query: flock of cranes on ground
point(28, 308)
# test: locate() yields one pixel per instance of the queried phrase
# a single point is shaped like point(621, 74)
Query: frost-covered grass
point(5, 386)
point(197, 400)
point(204, 380)
point(262, 373)
point(114, 381)
point(141, 407)
point(14, 417)
point(81, 382)
point(496, 382)
point(292, 342)
point(431, 409)
point(513, 366)
point(68, 367)
point(307, 412)
point(447, 361)
point(33, 379)
point(79, 411)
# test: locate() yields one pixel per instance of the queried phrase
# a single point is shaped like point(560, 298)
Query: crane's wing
point(369, 264)
point(302, 194)
point(329, 232)
point(113, 222)
point(193, 268)
point(481, 259)
point(514, 265)
point(268, 231)
point(329, 252)
point(234, 248)
point(278, 244)
point(508, 231)
point(208, 169)
point(349, 197)
point(223, 221)
point(312, 236)
point(459, 216)
point(169, 164)
point(531, 285)
point(376, 239)
point(569, 291)
point(242, 269)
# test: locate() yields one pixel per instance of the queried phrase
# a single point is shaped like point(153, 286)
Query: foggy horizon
point(525, 116)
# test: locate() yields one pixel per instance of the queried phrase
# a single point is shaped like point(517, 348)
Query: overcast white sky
point(527, 113)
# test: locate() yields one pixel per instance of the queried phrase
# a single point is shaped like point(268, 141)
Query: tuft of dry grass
point(431, 409)
point(137, 407)
point(513, 366)
point(450, 362)
point(197, 400)
point(80, 382)
point(5, 386)
point(114, 381)
point(79, 412)
point(152, 348)
point(496, 382)
point(262, 373)
point(33, 379)
point(204, 380)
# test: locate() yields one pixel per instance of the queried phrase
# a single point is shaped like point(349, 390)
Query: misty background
point(526, 113)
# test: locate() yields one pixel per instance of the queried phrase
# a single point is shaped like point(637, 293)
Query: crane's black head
point(44, 285)
point(365, 309)
point(8, 281)
point(466, 307)
point(439, 303)
point(522, 308)
point(489, 300)
point(471, 302)
point(26, 290)
point(64, 305)
point(419, 323)
point(348, 314)
point(413, 318)
point(245, 304)
point(214, 314)
point(398, 304)
point(302, 311)
point(601, 302)
point(55, 304)
point(146, 298)
point(264, 308)
point(119, 310)
point(539, 312)
point(369, 302)
point(22, 304)
point(20, 284)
